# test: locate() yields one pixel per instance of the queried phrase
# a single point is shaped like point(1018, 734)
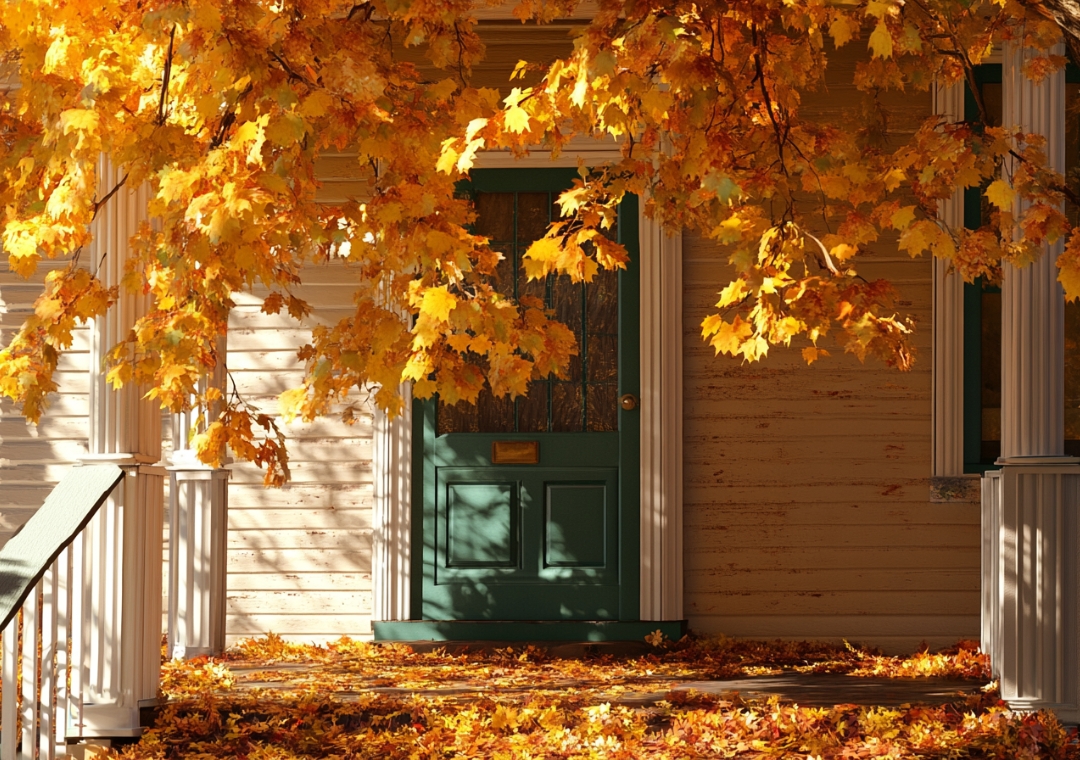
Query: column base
point(109, 721)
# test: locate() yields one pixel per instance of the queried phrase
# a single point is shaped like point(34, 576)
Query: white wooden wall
point(300, 557)
point(33, 459)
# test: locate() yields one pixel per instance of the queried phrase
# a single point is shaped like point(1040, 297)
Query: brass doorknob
point(628, 401)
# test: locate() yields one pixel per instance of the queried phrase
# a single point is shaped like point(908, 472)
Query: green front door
point(528, 509)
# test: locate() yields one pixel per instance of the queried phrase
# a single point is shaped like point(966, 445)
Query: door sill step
point(533, 631)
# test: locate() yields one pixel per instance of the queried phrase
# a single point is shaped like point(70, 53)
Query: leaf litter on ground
point(271, 699)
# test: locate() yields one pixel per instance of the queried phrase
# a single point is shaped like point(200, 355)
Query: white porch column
point(120, 552)
point(1029, 507)
point(198, 533)
point(948, 393)
point(391, 555)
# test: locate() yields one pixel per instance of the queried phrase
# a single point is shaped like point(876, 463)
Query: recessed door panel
point(482, 525)
point(575, 525)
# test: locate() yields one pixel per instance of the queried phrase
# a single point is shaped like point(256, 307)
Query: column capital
point(120, 459)
point(1037, 461)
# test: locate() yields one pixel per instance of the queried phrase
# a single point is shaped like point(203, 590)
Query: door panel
point(575, 524)
point(555, 539)
point(482, 525)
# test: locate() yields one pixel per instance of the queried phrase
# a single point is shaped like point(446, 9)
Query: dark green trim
point(630, 421)
point(986, 74)
point(513, 630)
point(550, 180)
point(973, 377)
point(416, 525)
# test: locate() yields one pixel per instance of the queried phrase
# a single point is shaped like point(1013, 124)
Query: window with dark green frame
point(982, 300)
point(586, 400)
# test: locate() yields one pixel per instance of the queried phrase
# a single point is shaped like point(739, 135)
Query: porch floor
point(805, 689)
point(697, 697)
point(630, 673)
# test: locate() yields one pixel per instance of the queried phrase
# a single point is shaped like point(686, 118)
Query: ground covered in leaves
point(357, 700)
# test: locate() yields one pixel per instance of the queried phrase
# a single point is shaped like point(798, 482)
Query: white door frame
point(661, 560)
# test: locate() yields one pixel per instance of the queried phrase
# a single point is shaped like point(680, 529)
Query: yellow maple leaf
point(449, 156)
point(902, 218)
point(881, 41)
point(812, 353)
point(842, 29)
point(316, 104)
point(545, 249)
point(843, 251)
point(438, 303)
point(516, 120)
point(291, 403)
point(1069, 268)
point(734, 291)
point(1001, 194)
point(729, 336)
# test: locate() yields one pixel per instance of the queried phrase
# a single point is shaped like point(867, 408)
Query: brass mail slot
point(515, 452)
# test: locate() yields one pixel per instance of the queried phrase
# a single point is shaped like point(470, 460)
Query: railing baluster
point(30, 673)
point(78, 624)
point(46, 702)
point(63, 636)
point(9, 716)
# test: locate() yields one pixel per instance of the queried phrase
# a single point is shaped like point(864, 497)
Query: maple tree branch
point(1071, 195)
point(1066, 14)
point(288, 69)
point(461, 55)
point(368, 9)
point(228, 119)
point(108, 195)
point(166, 77)
point(781, 137)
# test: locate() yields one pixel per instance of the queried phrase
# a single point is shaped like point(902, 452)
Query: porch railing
point(41, 571)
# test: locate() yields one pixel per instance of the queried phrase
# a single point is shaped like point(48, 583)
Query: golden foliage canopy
point(221, 108)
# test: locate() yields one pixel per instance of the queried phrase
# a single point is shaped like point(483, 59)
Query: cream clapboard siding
point(300, 557)
point(807, 511)
point(33, 458)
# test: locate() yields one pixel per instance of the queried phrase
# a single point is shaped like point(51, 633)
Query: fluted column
point(198, 532)
point(1033, 302)
point(391, 560)
point(1030, 506)
point(948, 389)
point(119, 651)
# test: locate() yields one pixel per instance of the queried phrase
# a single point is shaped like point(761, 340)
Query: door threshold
point(533, 631)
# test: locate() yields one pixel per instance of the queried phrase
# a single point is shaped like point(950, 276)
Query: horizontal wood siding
point(299, 556)
point(33, 458)
point(807, 511)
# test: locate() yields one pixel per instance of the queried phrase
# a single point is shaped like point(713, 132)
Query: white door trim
point(661, 427)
